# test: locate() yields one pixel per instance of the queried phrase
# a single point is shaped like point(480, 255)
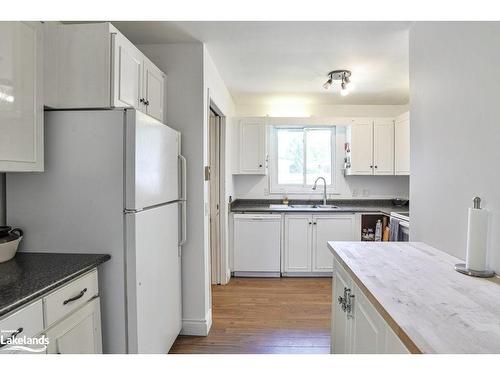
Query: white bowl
point(8, 249)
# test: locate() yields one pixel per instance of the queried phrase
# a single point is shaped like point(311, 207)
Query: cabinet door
point(153, 90)
point(127, 73)
point(402, 145)
point(393, 344)
point(361, 146)
point(383, 147)
point(252, 148)
point(329, 228)
point(368, 327)
point(298, 231)
point(79, 333)
point(341, 324)
point(21, 97)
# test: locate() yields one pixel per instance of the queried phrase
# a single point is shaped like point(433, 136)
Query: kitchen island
point(397, 297)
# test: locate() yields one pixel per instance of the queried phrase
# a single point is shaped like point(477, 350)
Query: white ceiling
point(258, 60)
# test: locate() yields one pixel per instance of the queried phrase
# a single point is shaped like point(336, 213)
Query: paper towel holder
point(461, 267)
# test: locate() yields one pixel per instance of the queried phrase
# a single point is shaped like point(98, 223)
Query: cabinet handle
point(146, 102)
point(12, 336)
point(142, 100)
point(80, 295)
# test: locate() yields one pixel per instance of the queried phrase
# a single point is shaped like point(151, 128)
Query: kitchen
point(293, 188)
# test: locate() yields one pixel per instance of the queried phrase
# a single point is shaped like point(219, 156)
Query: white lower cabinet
point(79, 333)
point(69, 317)
point(306, 237)
point(298, 234)
point(357, 327)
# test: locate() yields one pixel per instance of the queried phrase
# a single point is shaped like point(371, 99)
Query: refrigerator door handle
point(183, 177)
point(183, 224)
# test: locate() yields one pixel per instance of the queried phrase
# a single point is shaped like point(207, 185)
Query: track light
point(339, 75)
point(327, 84)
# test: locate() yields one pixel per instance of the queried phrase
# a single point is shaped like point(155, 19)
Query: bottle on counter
point(378, 231)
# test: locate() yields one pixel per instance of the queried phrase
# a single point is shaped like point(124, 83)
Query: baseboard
point(197, 327)
point(307, 274)
point(256, 274)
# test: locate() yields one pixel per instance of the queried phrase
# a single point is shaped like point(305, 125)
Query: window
point(299, 155)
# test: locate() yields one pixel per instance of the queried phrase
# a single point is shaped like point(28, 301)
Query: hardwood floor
point(287, 315)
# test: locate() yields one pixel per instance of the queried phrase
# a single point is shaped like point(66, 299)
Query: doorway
point(216, 195)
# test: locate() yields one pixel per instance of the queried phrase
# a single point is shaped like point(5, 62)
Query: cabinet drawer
point(29, 320)
point(70, 297)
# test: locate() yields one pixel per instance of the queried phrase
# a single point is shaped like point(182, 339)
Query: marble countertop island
point(415, 288)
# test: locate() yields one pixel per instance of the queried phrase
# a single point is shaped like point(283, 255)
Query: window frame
point(275, 188)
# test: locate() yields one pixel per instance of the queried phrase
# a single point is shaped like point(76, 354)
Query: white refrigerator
point(114, 183)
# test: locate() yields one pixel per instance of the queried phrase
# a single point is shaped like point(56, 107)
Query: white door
point(368, 327)
point(152, 165)
point(361, 135)
point(257, 240)
point(153, 89)
point(253, 147)
point(153, 279)
point(329, 228)
point(79, 333)
point(340, 323)
point(383, 147)
point(298, 232)
point(127, 73)
point(21, 97)
point(402, 145)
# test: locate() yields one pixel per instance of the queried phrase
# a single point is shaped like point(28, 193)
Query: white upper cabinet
point(21, 97)
point(374, 147)
point(95, 66)
point(402, 145)
point(383, 147)
point(128, 67)
point(153, 90)
point(360, 151)
point(252, 147)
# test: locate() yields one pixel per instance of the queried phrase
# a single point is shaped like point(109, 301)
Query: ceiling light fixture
point(339, 75)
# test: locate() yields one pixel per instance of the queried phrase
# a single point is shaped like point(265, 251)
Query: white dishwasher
point(257, 245)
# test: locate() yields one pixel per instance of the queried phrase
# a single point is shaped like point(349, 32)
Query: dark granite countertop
point(29, 275)
point(352, 205)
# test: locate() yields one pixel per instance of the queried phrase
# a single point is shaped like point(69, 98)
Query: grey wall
point(183, 64)
point(455, 131)
point(2, 198)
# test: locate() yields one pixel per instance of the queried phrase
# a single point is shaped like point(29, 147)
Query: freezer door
point(153, 279)
point(152, 162)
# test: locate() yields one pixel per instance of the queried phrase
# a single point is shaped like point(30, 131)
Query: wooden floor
point(287, 315)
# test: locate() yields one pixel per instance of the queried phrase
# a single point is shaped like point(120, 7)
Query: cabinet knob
point(371, 166)
point(376, 166)
point(315, 223)
point(260, 165)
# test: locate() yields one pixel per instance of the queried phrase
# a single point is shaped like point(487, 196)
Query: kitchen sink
point(314, 206)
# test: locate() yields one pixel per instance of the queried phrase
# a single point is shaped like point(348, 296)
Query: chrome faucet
point(324, 186)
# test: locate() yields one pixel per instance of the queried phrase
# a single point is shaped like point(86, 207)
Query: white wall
point(291, 107)
point(215, 91)
point(183, 65)
point(455, 133)
point(351, 187)
point(192, 81)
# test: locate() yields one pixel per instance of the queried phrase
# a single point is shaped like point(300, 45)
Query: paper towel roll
point(477, 239)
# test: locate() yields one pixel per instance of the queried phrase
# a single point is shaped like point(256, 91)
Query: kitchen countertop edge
point(101, 258)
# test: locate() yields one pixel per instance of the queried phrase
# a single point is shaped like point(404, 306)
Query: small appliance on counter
point(9, 241)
